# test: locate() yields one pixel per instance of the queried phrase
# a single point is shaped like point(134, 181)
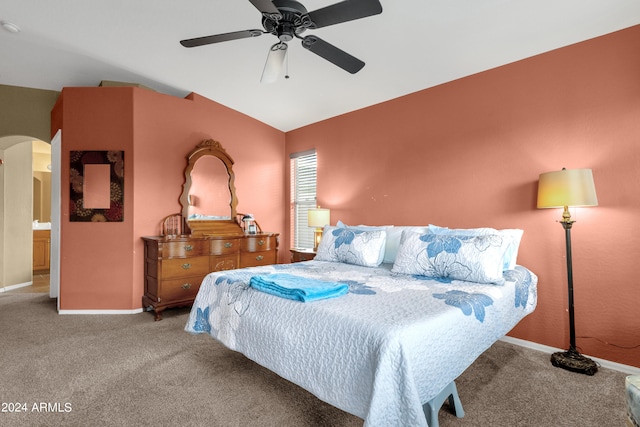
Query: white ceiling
point(412, 45)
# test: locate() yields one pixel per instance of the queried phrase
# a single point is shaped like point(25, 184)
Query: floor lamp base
point(573, 361)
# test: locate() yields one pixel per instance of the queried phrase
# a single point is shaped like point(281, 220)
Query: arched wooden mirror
point(208, 197)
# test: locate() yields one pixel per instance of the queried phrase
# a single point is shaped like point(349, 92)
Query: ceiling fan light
point(273, 66)
point(10, 27)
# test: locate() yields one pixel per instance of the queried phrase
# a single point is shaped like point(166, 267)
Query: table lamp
point(318, 218)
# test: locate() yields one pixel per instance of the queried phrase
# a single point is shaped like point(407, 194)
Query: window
point(303, 197)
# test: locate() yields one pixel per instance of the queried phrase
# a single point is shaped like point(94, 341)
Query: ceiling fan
point(287, 19)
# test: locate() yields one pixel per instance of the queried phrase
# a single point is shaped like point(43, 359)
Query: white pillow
point(452, 257)
point(387, 228)
point(352, 246)
point(394, 235)
point(514, 236)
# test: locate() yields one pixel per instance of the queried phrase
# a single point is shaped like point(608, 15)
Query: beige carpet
point(127, 370)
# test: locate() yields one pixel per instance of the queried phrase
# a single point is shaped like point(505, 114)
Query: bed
point(406, 328)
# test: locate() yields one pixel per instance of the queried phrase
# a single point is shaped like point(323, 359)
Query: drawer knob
point(186, 266)
point(259, 257)
point(228, 245)
point(188, 247)
point(260, 242)
point(186, 286)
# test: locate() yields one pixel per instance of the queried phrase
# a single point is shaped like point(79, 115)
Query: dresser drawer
point(224, 246)
point(180, 289)
point(184, 267)
point(180, 249)
point(258, 243)
point(223, 262)
point(252, 259)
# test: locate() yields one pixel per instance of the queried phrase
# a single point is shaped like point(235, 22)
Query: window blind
point(303, 197)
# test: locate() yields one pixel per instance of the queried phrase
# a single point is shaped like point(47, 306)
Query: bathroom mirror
point(208, 197)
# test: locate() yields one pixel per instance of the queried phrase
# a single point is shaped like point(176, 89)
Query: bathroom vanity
point(41, 249)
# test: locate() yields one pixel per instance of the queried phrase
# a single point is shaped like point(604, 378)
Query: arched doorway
point(25, 181)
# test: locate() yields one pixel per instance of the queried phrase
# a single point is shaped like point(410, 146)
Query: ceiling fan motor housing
point(294, 20)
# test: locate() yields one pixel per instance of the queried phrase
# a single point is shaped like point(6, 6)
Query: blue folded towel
point(297, 288)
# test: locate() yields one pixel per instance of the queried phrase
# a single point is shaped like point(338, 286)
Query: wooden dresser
point(175, 267)
point(207, 235)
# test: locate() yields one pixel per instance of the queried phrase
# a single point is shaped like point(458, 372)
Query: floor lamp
point(564, 189)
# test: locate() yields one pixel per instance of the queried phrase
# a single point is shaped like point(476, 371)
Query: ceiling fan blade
point(273, 66)
point(200, 41)
point(267, 8)
point(332, 54)
point(344, 11)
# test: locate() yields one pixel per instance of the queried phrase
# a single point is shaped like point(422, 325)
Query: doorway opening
point(27, 173)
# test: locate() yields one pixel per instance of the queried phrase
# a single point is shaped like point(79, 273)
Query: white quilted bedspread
point(379, 352)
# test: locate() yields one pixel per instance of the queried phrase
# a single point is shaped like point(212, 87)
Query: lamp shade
point(573, 187)
point(319, 217)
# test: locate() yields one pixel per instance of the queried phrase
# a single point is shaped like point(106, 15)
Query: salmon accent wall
point(95, 258)
point(102, 263)
point(468, 154)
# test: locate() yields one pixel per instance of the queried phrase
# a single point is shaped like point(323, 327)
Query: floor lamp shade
point(573, 187)
point(564, 189)
point(318, 218)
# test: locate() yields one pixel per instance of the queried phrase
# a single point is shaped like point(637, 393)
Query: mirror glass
point(97, 186)
point(209, 195)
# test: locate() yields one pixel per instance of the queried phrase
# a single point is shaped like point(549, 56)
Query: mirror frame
point(210, 147)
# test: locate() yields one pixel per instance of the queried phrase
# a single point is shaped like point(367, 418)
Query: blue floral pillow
point(514, 235)
point(452, 257)
point(352, 246)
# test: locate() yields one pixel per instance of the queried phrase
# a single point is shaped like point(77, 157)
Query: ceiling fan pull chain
point(286, 74)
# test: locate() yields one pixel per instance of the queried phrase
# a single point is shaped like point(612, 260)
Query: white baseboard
point(23, 285)
point(18, 286)
point(134, 311)
point(631, 370)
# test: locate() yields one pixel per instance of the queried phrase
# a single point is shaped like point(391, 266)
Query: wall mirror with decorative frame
point(97, 186)
point(208, 197)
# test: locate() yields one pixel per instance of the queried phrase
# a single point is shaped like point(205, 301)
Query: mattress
point(379, 352)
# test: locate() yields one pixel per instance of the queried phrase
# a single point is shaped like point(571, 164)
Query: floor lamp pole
point(572, 321)
point(571, 359)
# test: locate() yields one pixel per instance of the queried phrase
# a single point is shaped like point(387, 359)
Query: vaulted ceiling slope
point(412, 45)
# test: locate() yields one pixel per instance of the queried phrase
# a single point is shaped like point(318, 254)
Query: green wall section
point(26, 111)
